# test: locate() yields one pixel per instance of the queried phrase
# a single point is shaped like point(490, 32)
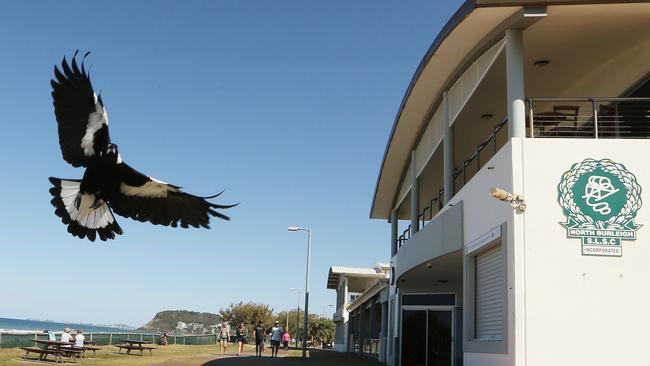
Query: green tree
point(296, 320)
point(249, 313)
point(322, 330)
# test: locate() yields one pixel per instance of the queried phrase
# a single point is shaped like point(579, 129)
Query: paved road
point(226, 360)
point(318, 358)
point(250, 361)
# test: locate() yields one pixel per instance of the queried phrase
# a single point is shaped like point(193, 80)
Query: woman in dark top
point(241, 333)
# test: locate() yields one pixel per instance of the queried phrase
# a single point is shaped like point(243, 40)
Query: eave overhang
point(464, 36)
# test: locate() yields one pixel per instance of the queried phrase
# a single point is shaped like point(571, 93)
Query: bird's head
point(111, 154)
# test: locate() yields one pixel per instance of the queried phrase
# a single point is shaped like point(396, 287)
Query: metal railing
point(617, 118)
point(432, 208)
point(429, 211)
point(371, 347)
point(484, 151)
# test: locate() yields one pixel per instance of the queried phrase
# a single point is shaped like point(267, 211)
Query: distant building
point(181, 327)
point(361, 315)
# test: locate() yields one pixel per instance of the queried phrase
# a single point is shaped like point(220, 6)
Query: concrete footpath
point(318, 358)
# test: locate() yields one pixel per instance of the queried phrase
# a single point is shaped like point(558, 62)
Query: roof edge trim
point(460, 14)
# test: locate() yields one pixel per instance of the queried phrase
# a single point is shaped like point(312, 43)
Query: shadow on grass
point(316, 358)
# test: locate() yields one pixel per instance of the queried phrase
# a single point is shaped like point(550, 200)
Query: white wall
point(582, 310)
point(482, 213)
point(341, 345)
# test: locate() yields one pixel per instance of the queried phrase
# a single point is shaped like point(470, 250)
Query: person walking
point(286, 337)
point(224, 335)
point(260, 337)
point(276, 338)
point(242, 332)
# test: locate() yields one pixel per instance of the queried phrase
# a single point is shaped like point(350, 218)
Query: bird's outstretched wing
point(144, 198)
point(80, 113)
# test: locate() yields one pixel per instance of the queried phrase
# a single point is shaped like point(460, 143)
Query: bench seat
point(129, 348)
point(58, 355)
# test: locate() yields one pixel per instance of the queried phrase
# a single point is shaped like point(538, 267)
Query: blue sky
point(287, 105)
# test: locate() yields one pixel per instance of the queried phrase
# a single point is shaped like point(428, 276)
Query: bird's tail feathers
point(85, 215)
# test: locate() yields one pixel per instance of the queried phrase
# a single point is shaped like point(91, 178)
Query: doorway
point(427, 337)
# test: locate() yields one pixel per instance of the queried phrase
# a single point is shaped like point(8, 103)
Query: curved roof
point(456, 46)
point(335, 273)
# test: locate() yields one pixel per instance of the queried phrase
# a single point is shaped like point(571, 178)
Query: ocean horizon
point(7, 324)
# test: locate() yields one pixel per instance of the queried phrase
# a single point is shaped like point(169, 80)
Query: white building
point(549, 101)
point(361, 315)
point(181, 326)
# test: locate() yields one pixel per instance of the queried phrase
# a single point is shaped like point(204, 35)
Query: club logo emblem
point(600, 199)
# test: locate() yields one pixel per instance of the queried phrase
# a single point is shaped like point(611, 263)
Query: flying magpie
point(108, 184)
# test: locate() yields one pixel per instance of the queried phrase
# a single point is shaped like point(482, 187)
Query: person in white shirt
point(276, 338)
point(79, 339)
point(65, 336)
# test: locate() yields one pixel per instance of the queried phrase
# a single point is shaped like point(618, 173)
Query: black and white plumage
point(108, 183)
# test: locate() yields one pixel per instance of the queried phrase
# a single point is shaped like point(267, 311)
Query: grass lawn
point(206, 355)
point(108, 356)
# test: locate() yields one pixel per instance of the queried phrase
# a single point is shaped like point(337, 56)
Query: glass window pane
point(439, 339)
point(414, 333)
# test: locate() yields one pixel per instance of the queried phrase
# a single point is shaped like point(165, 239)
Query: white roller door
point(489, 295)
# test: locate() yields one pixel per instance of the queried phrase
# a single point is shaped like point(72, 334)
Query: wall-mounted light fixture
point(516, 200)
point(541, 63)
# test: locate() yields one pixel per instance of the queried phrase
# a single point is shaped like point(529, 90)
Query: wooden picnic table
point(133, 341)
point(56, 348)
point(130, 345)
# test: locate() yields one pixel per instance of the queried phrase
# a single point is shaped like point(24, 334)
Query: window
point(489, 295)
point(485, 329)
point(429, 299)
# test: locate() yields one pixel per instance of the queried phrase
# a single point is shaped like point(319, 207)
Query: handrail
point(588, 99)
point(604, 118)
point(476, 155)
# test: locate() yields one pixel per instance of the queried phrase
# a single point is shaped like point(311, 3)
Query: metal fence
point(10, 340)
point(371, 347)
point(613, 118)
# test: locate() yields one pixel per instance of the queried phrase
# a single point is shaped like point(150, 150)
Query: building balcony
point(433, 243)
point(596, 118)
point(613, 118)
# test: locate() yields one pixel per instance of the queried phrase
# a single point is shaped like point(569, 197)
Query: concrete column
point(391, 327)
point(345, 315)
point(383, 332)
point(393, 233)
point(515, 83)
point(415, 196)
point(448, 151)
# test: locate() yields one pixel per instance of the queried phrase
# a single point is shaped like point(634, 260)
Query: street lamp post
point(305, 329)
